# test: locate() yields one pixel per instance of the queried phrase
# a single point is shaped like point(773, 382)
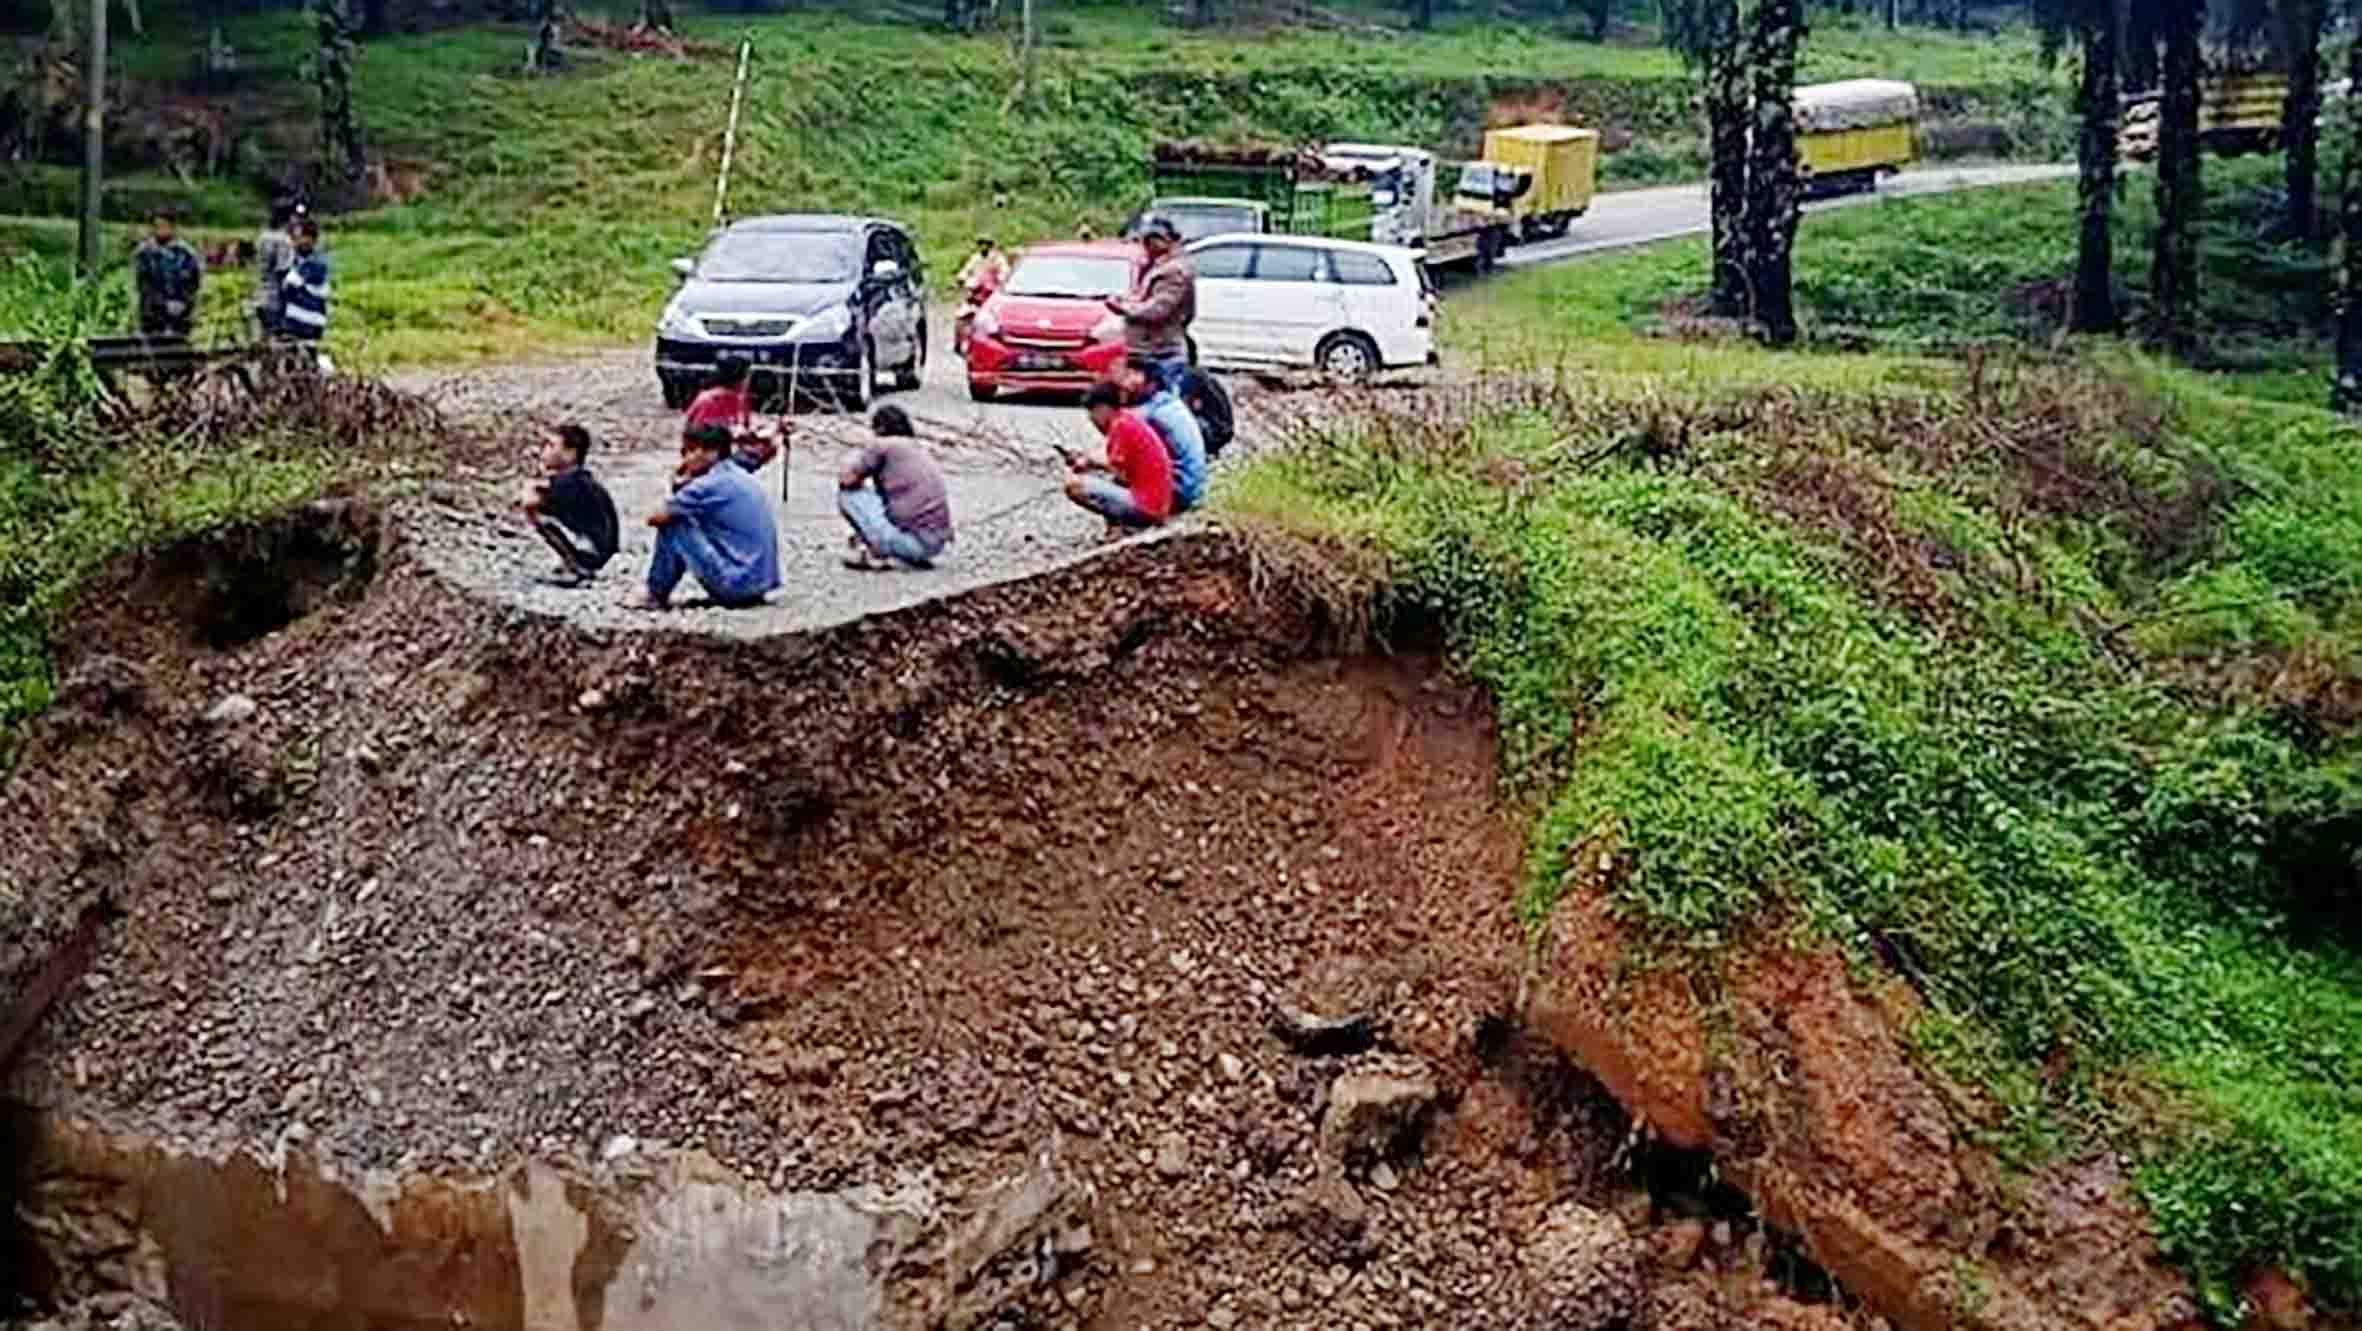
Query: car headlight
point(987, 323)
point(827, 326)
point(676, 322)
point(1109, 329)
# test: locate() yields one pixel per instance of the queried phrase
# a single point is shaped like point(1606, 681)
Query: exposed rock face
point(1378, 1113)
point(651, 1243)
point(1821, 1117)
point(1583, 1270)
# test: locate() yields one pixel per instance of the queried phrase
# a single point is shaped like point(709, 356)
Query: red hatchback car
point(1048, 327)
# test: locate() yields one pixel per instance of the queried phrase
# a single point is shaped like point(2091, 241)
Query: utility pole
point(94, 134)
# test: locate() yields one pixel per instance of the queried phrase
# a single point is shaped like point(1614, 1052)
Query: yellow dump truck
point(1853, 131)
point(2236, 114)
point(1560, 166)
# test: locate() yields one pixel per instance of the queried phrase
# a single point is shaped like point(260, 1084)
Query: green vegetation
point(1899, 275)
point(2028, 677)
point(549, 206)
point(75, 494)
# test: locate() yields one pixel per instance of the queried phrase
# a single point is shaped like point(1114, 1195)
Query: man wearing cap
point(1158, 312)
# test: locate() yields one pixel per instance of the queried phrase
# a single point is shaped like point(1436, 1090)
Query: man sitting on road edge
point(716, 527)
point(1184, 438)
point(570, 509)
point(906, 517)
point(1140, 495)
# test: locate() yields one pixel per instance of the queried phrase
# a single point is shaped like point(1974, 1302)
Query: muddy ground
point(414, 880)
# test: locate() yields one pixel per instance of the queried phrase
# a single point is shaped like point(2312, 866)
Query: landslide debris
point(421, 884)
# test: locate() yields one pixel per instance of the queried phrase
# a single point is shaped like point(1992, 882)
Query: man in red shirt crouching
point(1133, 486)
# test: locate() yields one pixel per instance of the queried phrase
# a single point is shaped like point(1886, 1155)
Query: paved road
point(1000, 457)
point(1637, 217)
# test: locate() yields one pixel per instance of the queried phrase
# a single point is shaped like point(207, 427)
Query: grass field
point(1983, 268)
point(551, 205)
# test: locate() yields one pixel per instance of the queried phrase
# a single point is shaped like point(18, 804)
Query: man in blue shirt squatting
point(717, 528)
point(1174, 423)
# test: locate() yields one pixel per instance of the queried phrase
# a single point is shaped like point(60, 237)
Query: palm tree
point(2173, 260)
point(2346, 394)
point(1705, 34)
point(1773, 191)
point(2301, 22)
point(2096, 26)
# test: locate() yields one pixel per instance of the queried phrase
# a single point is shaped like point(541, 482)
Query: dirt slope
point(417, 882)
point(421, 883)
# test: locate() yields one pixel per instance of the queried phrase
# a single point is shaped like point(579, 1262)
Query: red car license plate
point(1040, 360)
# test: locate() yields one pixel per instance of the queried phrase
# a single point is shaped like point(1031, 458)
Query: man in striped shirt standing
point(303, 308)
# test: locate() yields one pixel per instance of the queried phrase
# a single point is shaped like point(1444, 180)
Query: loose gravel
point(999, 459)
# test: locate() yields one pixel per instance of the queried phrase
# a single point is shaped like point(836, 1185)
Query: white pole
point(730, 135)
point(787, 414)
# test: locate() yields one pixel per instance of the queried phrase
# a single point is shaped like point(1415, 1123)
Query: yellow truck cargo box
point(1833, 152)
point(1564, 160)
point(1856, 126)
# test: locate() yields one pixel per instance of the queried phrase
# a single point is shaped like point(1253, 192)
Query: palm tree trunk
point(1773, 194)
point(2098, 103)
point(1726, 133)
point(2173, 260)
point(2299, 129)
point(2346, 393)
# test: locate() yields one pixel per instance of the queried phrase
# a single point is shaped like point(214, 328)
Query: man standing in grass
point(906, 517)
point(167, 273)
point(274, 255)
point(1132, 487)
point(717, 527)
point(303, 293)
point(570, 509)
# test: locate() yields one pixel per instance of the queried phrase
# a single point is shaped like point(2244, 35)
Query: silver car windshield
point(811, 257)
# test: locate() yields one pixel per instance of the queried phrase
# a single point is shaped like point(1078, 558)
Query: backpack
point(1210, 402)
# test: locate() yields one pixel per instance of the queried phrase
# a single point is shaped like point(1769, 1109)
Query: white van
point(1340, 306)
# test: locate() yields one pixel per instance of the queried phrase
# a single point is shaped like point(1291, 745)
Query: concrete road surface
point(1637, 217)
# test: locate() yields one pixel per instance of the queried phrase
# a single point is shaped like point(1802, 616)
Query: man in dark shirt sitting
point(570, 509)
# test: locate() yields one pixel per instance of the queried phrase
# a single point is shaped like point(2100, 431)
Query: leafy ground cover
point(85, 479)
point(1981, 268)
point(2036, 689)
point(547, 207)
point(2030, 675)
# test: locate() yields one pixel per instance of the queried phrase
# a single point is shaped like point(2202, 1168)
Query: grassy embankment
point(75, 494)
point(552, 205)
point(1979, 268)
point(2034, 675)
